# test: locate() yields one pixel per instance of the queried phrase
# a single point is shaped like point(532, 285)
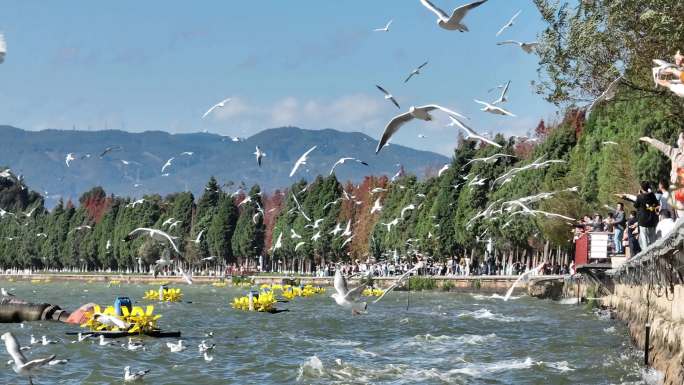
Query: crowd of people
point(653, 218)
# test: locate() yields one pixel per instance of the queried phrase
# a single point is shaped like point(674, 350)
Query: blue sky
point(158, 65)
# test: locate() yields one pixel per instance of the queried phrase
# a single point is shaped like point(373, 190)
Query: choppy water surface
point(444, 338)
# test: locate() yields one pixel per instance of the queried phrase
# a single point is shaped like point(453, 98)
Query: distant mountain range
point(135, 168)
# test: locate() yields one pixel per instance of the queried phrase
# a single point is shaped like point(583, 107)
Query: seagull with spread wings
point(155, 234)
point(385, 29)
point(509, 24)
point(343, 160)
point(302, 160)
point(388, 96)
point(504, 91)
point(492, 109)
point(220, 104)
point(470, 133)
point(528, 47)
point(415, 72)
point(20, 364)
point(455, 21)
point(348, 299)
point(421, 113)
point(259, 154)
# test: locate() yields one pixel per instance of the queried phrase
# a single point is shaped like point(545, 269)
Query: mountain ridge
point(136, 169)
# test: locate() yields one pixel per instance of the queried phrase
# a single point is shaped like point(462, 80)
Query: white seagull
point(422, 113)
point(167, 164)
point(3, 48)
point(528, 47)
point(416, 71)
point(316, 236)
point(442, 170)
point(509, 24)
point(342, 160)
point(470, 133)
point(134, 376)
point(504, 91)
point(155, 234)
point(20, 365)
point(407, 208)
point(300, 244)
point(607, 95)
point(453, 22)
point(220, 104)
point(348, 299)
point(376, 207)
point(259, 154)
point(302, 160)
point(279, 242)
point(294, 235)
point(177, 347)
point(490, 159)
point(199, 237)
point(186, 277)
point(385, 29)
point(492, 109)
point(388, 96)
point(69, 158)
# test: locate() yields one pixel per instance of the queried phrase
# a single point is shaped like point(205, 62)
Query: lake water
point(444, 338)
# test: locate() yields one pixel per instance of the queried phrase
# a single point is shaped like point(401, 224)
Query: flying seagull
point(69, 158)
point(528, 47)
point(492, 109)
point(502, 98)
point(453, 22)
point(167, 164)
point(259, 154)
point(509, 24)
point(299, 244)
point(20, 365)
point(3, 48)
point(388, 96)
point(422, 113)
point(348, 299)
point(470, 133)
point(386, 29)
point(607, 95)
point(109, 149)
point(376, 207)
point(442, 170)
point(302, 160)
point(342, 160)
point(415, 72)
point(222, 103)
point(198, 238)
point(489, 159)
point(155, 234)
point(279, 242)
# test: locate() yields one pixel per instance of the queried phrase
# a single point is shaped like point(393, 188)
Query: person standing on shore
point(619, 222)
point(676, 155)
point(647, 217)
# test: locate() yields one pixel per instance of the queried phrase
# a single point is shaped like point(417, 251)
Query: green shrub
point(422, 283)
point(447, 285)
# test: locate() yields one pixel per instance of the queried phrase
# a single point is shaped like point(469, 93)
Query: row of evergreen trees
point(438, 225)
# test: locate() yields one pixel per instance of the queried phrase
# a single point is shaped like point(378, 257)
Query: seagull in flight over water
point(342, 160)
point(528, 47)
point(220, 104)
point(492, 109)
point(348, 299)
point(422, 113)
point(453, 22)
point(20, 364)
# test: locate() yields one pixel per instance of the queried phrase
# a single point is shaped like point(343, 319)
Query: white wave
point(568, 301)
point(476, 370)
point(311, 367)
point(493, 296)
point(365, 353)
point(652, 377)
point(561, 366)
point(609, 330)
point(486, 314)
point(465, 339)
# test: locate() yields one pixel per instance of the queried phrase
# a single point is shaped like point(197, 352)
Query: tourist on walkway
point(619, 222)
point(665, 225)
point(632, 234)
point(647, 208)
point(676, 155)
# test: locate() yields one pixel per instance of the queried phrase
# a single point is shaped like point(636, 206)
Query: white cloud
point(357, 112)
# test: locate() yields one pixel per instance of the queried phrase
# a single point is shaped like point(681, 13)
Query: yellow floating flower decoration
point(168, 295)
point(372, 292)
point(264, 302)
point(138, 320)
point(219, 284)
